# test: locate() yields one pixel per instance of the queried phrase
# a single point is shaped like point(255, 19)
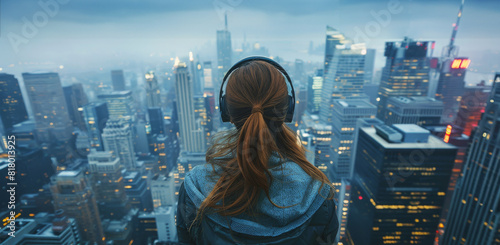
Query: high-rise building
point(208, 76)
point(49, 106)
point(413, 110)
point(472, 107)
point(118, 80)
point(299, 71)
point(108, 185)
point(156, 120)
point(165, 223)
point(451, 86)
point(369, 65)
point(76, 99)
point(345, 114)
point(314, 88)
point(163, 190)
point(474, 216)
point(117, 137)
point(153, 98)
point(333, 38)
point(12, 107)
point(139, 195)
point(191, 133)
point(194, 74)
point(44, 228)
point(400, 179)
point(406, 72)
point(345, 77)
point(73, 194)
point(96, 116)
point(224, 51)
point(120, 104)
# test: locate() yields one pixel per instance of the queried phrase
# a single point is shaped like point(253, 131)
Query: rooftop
point(433, 142)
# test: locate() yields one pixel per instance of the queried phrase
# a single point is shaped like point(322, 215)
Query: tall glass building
point(49, 106)
point(398, 189)
point(12, 107)
point(406, 72)
point(474, 216)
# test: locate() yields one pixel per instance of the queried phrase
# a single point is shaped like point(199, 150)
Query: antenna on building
point(225, 19)
point(451, 50)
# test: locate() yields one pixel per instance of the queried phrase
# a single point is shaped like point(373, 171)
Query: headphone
point(222, 98)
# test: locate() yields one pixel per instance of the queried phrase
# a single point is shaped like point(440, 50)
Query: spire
point(451, 46)
point(225, 20)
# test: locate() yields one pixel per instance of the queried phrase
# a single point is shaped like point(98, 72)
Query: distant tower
point(117, 137)
point(118, 80)
point(474, 215)
point(96, 115)
point(12, 107)
point(49, 106)
point(452, 69)
point(406, 72)
point(153, 98)
point(191, 133)
point(73, 194)
point(224, 51)
point(76, 99)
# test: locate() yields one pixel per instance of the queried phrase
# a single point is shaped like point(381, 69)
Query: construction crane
point(451, 50)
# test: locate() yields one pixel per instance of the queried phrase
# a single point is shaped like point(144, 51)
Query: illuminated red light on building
point(465, 64)
point(360, 198)
point(460, 63)
point(447, 134)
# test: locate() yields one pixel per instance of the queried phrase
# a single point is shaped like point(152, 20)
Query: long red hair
point(257, 101)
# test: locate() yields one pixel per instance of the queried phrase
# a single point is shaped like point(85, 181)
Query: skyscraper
point(73, 194)
point(108, 185)
point(413, 110)
point(400, 179)
point(163, 190)
point(118, 80)
point(96, 115)
point(12, 107)
point(224, 51)
point(153, 98)
point(314, 88)
point(345, 114)
point(451, 86)
point(120, 104)
point(156, 120)
point(117, 137)
point(406, 72)
point(76, 99)
point(474, 216)
point(472, 107)
point(49, 106)
point(191, 133)
point(344, 79)
point(333, 38)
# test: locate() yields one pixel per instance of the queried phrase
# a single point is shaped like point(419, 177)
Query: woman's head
point(257, 102)
point(257, 87)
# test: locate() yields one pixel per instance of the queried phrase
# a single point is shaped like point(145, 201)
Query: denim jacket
point(311, 219)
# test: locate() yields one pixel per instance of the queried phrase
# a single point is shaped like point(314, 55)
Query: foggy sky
point(91, 34)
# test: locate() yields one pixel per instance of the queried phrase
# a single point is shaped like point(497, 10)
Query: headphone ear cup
point(223, 110)
point(291, 109)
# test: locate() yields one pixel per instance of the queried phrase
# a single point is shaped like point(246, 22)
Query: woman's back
point(311, 218)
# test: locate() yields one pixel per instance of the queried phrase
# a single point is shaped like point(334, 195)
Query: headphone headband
point(291, 105)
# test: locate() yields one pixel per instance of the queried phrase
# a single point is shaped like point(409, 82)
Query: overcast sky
point(88, 34)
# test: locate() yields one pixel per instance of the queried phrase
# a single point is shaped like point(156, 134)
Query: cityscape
point(96, 139)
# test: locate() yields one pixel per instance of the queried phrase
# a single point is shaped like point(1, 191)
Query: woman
point(257, 186)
